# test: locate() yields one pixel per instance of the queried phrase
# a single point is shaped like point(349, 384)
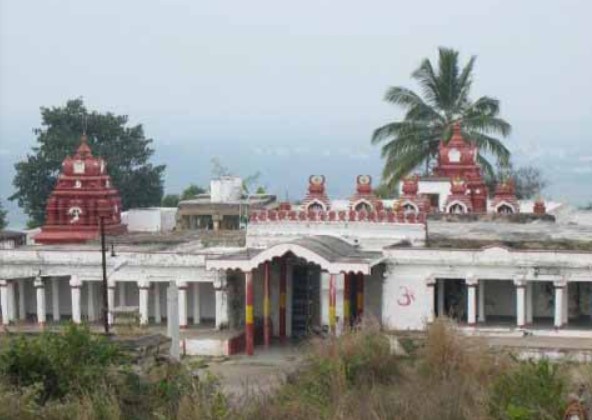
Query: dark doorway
point(453, 303)
point(305, 293)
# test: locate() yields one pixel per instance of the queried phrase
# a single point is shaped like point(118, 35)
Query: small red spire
point(83, 150)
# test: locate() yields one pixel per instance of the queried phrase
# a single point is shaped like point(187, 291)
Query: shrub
point(73, 361)
point(531, 390)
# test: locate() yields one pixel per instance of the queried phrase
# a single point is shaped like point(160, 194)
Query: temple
point(446, 246)
point(82, 197)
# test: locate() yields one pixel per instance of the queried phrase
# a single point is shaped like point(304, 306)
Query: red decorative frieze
point(82, 196)
point(351, 216)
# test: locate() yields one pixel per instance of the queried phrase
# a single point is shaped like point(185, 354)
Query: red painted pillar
point(266, 307)
point(332, 302)
point(249, 327)
point(283, 280)
point(346, 300)
point(360, 295)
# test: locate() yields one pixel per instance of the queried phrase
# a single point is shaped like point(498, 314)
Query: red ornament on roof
point(316, 199)
point(364, 198)
point(504, 201)
point(83, 194)
point(457, 159)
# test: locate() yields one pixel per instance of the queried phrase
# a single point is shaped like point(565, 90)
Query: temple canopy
point(332, 254)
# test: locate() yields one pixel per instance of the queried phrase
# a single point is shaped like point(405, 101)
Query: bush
point(531, 390)
point(71, 362)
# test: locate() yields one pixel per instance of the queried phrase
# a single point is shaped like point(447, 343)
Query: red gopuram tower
point(82, 196)
point(458, 160)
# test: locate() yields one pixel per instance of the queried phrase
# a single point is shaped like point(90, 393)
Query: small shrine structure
point(83, 195)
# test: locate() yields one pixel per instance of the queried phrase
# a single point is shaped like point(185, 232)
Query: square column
point(157, 310)
point(121, 290)
point(472, 301)
point(40, 294)
point(283, 281)
point(91, 308)
point(143, 290)
point(360, 295)
point(431, 297)
point(566, 304)
point(441, 295)
point(481, 305)
point(332, 303)
point(559, 302)
point(520, 303)
point(75, 285)
point(347, 280)
point(182, 305)
point(22, 308)
point(249, 327)
point(4, 301)
point(266, 303)
point(11, 287)
point(529, 302)
point(196, 304)
point(55, 299)
point(110, 302)
point(221, 293)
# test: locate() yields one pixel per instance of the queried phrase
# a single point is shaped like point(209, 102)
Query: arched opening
point(505, 209)
point(409, 208)
point(315, 206)
point(457, 208)
point(363, 205)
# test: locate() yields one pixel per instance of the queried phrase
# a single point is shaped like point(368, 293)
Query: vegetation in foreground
point(76, 375)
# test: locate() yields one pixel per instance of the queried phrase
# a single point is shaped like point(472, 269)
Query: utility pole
point(105, 284)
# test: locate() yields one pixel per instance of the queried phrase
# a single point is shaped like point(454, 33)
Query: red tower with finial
point(82, 196)
point(457, 159)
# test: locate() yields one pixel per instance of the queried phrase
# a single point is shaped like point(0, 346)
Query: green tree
point(192, 191)
point(170, 200)
point(3, 221)
point(429, 118)
point(125, 148)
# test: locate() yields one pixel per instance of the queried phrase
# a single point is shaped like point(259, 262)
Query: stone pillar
point(157, 310)
point(332, 302)
point(143, 289)
point(565, 313)
point(75, 285)
point(11, 301)
point(220, 288)
point(559, 302)
point(283, 278)
point(289, 294)
point(472, 301)
point(182, 304)
point(347, 280)
point(91, 306)
point(431, 310)
point(40, 294)
point(266, 304)
point(520, 303)
point(121, 288)
point(196, 304)
point(529, 302)
point(360, 295)
point(22, 307)
point(55, 300)
point(172, 295)
point(441, 295)
point(110, 302)
point(481, 305)
point(4, 301)
point(249, 327)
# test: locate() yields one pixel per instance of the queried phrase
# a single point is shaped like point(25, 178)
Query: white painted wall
point(369, 235)
point(440, 187)
point(155, 219)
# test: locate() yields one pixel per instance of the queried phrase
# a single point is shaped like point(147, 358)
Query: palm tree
point(429, 118)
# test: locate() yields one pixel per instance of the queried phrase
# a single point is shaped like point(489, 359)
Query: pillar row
point(55, 299)
point(4, 301)
point(143, 290)
point(182, 305)
point(559, 302)
point(472, 301)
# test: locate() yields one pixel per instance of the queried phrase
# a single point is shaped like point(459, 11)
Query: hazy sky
point(294, 88)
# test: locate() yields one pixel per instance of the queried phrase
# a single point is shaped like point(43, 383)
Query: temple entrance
point(305, 300)
point(451, 299)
